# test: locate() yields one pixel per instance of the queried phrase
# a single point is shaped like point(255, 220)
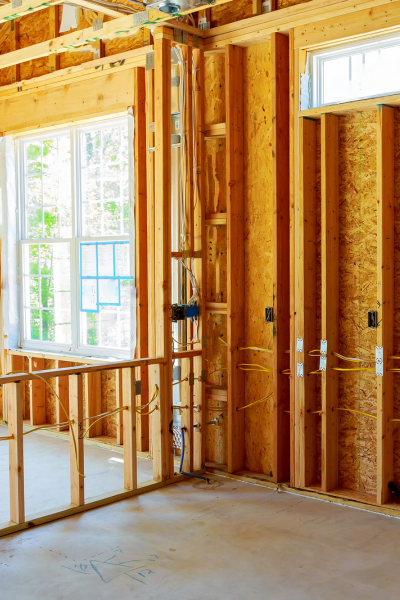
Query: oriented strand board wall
point(258, 253)
point(358, 293)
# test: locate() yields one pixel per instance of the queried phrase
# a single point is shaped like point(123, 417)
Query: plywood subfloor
point(229, 541)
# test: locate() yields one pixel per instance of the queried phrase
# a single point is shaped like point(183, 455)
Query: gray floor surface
point(228, 540)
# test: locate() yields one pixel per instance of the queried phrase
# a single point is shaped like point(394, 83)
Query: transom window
point(74, 239)
point(356, 71)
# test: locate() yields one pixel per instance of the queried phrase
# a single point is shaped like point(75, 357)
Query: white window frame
point(75, 348)
point(317, 58)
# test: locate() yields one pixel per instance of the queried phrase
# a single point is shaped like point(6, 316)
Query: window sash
point(75, 348)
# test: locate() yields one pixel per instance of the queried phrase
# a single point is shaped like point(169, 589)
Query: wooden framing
point(141, 276)
point(77, 464)
point(330, 297)
point(161, 438)
point(37, 394)
point(385, 280)
point(281, 255)
point(130, 460)
point(62, 391)
point(16, 454)
point(307, 304)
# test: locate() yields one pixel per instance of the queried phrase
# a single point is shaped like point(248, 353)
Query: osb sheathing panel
point(258, 252)
point(216, 435)
point(396, 378)
point(108, 402)
point(5, 33)
point(216, 176)
point(358, 295)
point(214, 84)
point(216, 274)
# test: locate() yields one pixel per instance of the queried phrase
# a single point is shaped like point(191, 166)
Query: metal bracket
point(300, 370)
point(191, 378)
point(140, 18)
point(97, 24)
point(149, 58)
point(323, 348)
point(185, 38)
point(322, 363)
point(379, 361)
point(138, 387)
point(299, 345)
point(178, 36)
point(204, 24)
point(16, 3)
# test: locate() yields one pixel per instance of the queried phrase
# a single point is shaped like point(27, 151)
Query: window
point(76, 284)
point(353, 72)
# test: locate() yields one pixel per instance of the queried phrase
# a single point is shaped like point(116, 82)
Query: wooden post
point(281, 255)
point(163, 466)
point(37, 393)
point(93, 403)
point(130, 460)
point(77, 464)
point(160, 455)
point(142, 346)
point(119, 402)
point(385, 280)
point(54, 28)
point(199, 364)
point(330, 297)
point(306, 316)
point(62, 389)
point(293, 108)
point(235, 251)
point(16, 453)
point(16, 363)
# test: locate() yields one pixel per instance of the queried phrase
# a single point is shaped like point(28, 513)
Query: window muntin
point(353, 72)
point(75, 188)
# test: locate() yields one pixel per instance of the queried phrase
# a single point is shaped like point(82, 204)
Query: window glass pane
point(104, 181)
point(105, 289)
point(47, 292)
point(48, 188)
point(361, 71)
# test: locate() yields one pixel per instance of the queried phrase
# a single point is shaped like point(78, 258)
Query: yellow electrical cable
point(259, 369)
point(311, 353)
point(181, 381)
point(217, 370)
point(285, 372)
point(179, 407)
point(318, 372)
point(154, 396)
point(360, 369)
point(358, 412)
point(256, 402)
point(223, 341)
point(316, 412)
point(103, 416)
point(70, 423)
point(393, 370)
point(44, 427)
point(358, 360)
point(8, 437)
point(255, 348)
point(393, 357)
point(150, 411)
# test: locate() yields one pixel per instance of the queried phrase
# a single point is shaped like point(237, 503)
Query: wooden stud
point(385, 280)
point(162, 439)
point(119, 403)
point(161, 460)
point(199, 364)
point(37, 393)
point(15, 364)
point(16, 453)
point(293, 105)
point(306, 315)
point(130, 460)
point(62, 389)
point(235, 251)
point(93, 404)
point(330, 297)
point(186, 393)
point(14, 45)
point(281, 255)
point(54, 28)
point(77, 464)
point(141, 281)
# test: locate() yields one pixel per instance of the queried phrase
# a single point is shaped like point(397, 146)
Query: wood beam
point(62, 390)
point(161, 438)
point(54, 19)
point(37, 393)
point(307, 301)
point(77, 463)
point(14, 45)
point(281, 256)
point(199, 364)
point(16, 453)
point(235, 251)
point(330, 298)
point(293, 104)
point(385, 288)
point(141, 275)
point(130, 460)
point(119, 403)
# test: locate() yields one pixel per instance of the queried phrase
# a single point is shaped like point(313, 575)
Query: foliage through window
point(74, 195)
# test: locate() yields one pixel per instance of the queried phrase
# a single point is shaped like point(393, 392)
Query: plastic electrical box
point(180, 312)
point(269, 314)
point(372, 319)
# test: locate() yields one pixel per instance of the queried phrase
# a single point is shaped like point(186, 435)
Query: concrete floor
point(47, 485)
point(230, 541)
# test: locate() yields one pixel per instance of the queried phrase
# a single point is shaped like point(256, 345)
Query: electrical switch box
point(372, 319)
point(269, 314)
